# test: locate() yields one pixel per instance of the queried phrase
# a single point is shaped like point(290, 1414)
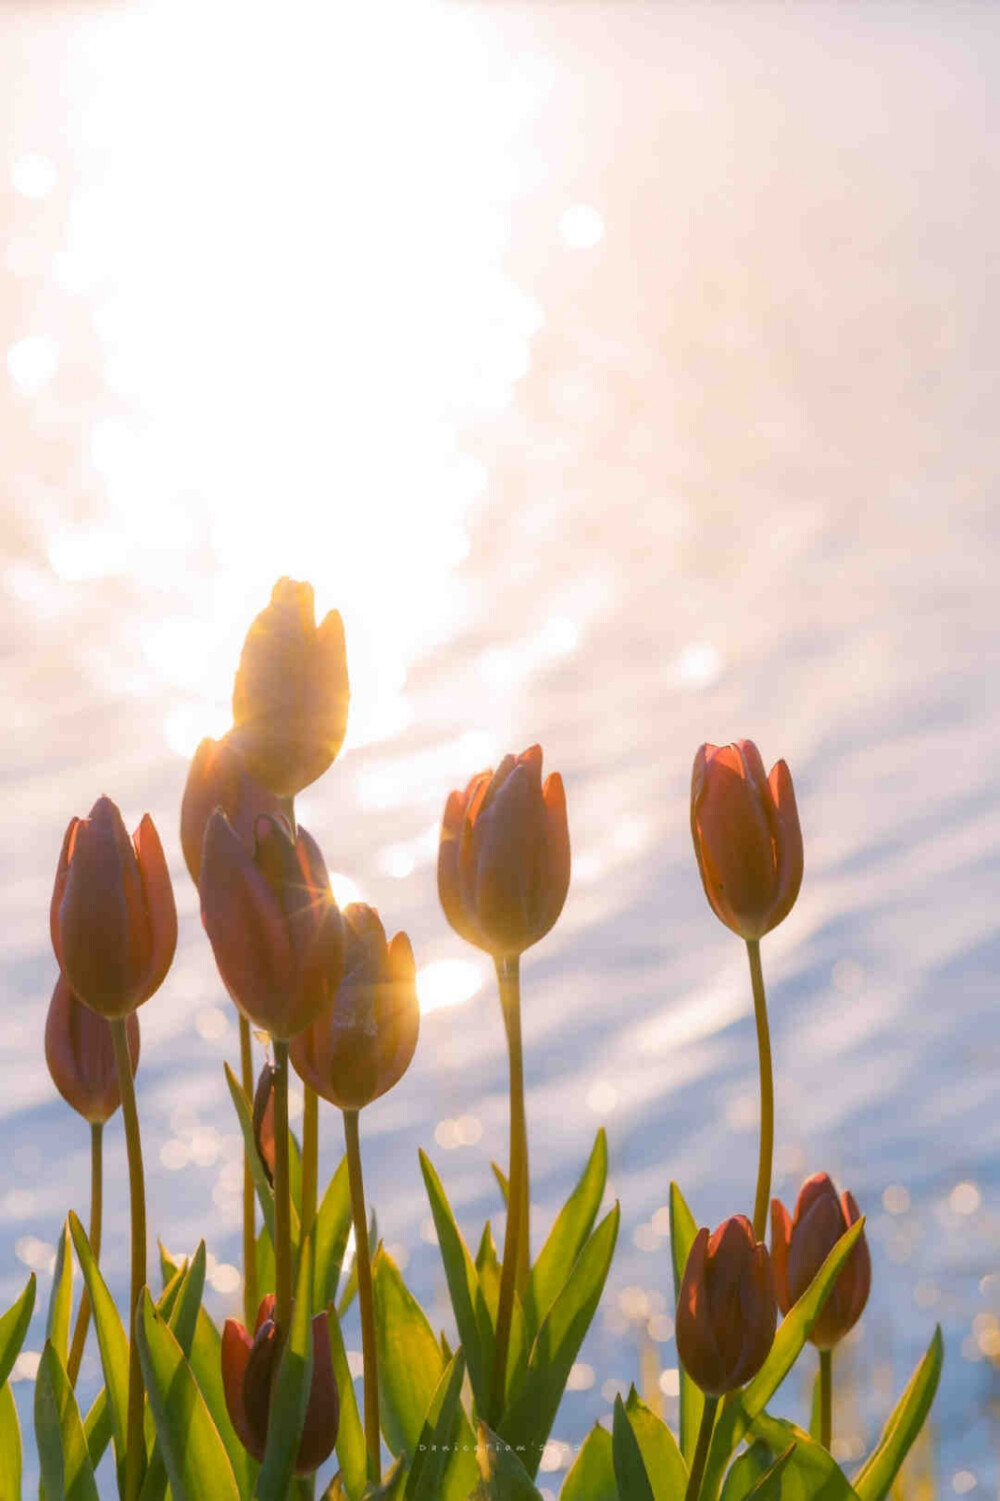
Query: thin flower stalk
point(82, 1324)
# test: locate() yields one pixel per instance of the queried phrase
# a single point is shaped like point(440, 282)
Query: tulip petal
point(236, 1346)
point(557, 831)
point(787, 844)
point(449, 883)
point(158, 895)
point(781, 1230)
point(96, 942)
point(319, 1428)
point(509, 844)
point(59, 888)
point(732, 838)
point(244, 923)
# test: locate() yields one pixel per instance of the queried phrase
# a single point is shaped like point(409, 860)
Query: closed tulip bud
point(81, 1055)
point(263, 1119)
point(503, 860)
point(726, 1312)
point(113, 919)
point(249, 1369)
point(291, 693)
point(800, 1243)
point(274, 927)
point(219, 778)
point(362, 1043)
point(746, 837)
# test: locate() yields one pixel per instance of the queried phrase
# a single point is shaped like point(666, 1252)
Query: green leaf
point(333, 1226)
point(13, 1328)
point(168, 1266)
point(810, 1473)
point(488, 1271)
point(503, 1476)
point(567, 1237)
point(67, 1473)
point(754, 1477)
point(206, 1367)
point(668, 1474)
point(592, 1476)
point(111, 1340)
point(683, 1229)
point(437, 1437)
point(61, 1298)
point(630, 1471)
point(266, 1281)
point(736, 1416)
point(290, 1391)
point(10, 1447)
point(351, 1286)
point(97, 1427)
point(410, 1362)
point(351, 1453)
point(876, 1475)
point(193, 1452)
point(502, 1183)
point(475, 1328)
point(179, 1305)
point(529, 1418)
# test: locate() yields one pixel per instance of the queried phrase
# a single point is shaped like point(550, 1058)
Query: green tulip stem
point(516, 1248)
point(249, 1197)
point(94, 1237)
point(763, 1196)
point(366, 1295)
point(310, 1158)
point(135, 1443)
point(825, 1397)
point(282, 1195)
point(698, 1463)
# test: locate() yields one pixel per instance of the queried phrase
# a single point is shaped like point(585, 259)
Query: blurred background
point(626, 374)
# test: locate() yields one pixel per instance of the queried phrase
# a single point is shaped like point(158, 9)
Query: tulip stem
point(94, 1238)
point(310, 1158)
point(516, 1248)
point(701, 1449)
point(135, 1444)
point(763, 1195)
point(366, 1297)
point(282, 1195)
point(826, 1397)
point(249, 1197)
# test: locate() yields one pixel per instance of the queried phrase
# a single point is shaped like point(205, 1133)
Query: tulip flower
point(291, 693)
point(272, 922)
point(801, 1242)
point(113, 919)
point(746, 837)
point(362, 1043)
point(249, 1369)
point(503, 860)
point(219, 778)
point(81, 1057)
point(726, 1312)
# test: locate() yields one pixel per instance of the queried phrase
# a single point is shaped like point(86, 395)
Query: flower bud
point(113, 919)
point(800, 1244)
point(263, 1119)
point(249, 1369)
point(746, 837)
point(218, 778)
point(362, 1043)
point(503, 860)
point(726, 1312)
point(291, 693)
point(273, 924)
point(80, 1054)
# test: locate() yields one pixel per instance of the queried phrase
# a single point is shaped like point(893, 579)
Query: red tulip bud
point(503, 860)
point(249, 1368)
point(113, 919)
point(218, 778)
point(746, 837)
point(291, 693)
point(263, 1119)
point(726, 1312)
point(800, 1244)
point(81, 1055)
point(362, 1043)
point(272, 922)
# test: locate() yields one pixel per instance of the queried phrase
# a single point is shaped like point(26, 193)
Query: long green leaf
point(810, 1473)
point(111, 1340)
point(475, 1328)
point(10, 1447)
point(592, 1475)
point(97, 1427)
point(290, 1392)
point(630, 1470)
point(13, 1328)
point(61, 1298)
point(437, 1436)
point(193, 1452)
point(410, 1362)
point(179, 1304)
point(67, 1473)
point(488, 1271)
point(503, 1476)
point(754, 1478)
point(874, 1479)
point(333, 1227)
point(737, 1416)
point(528, 1420)
point(206, 1366)
point(351, 1453)
point(668, 1474)
point(683, 1229)
point(567, 1237)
